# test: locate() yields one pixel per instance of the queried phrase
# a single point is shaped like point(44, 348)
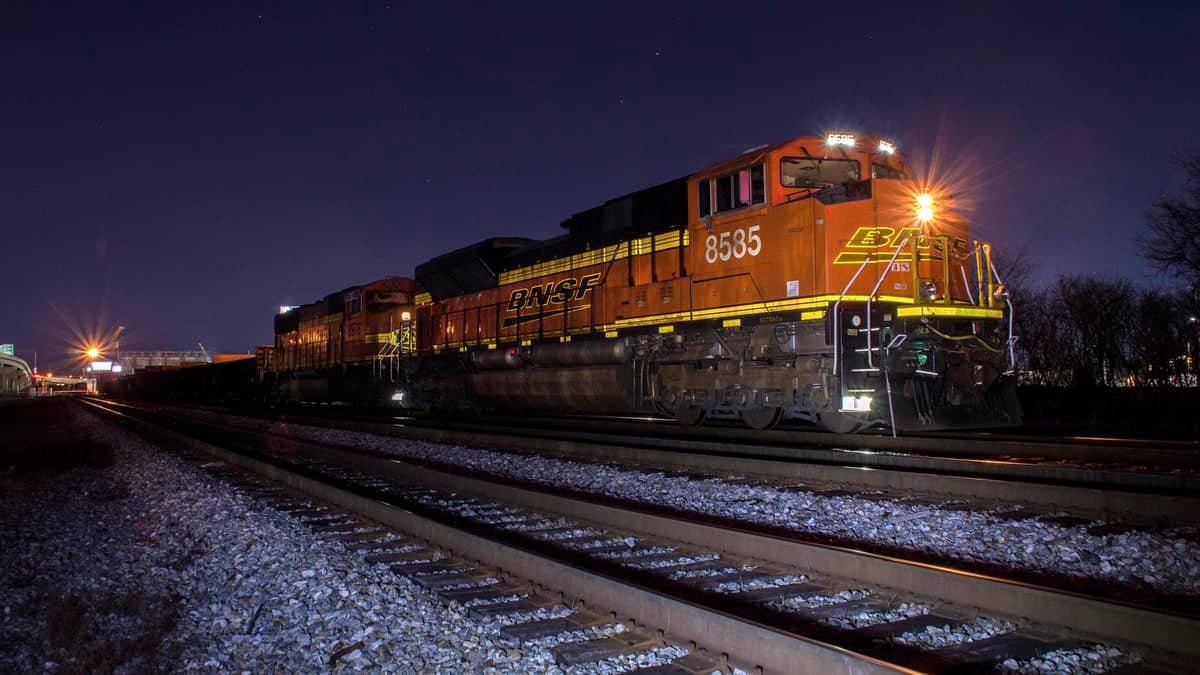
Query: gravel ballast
point(1142, 559)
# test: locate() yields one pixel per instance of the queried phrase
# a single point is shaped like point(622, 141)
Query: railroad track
point(1104, 489)
point(763, 600)
point(1113, 453)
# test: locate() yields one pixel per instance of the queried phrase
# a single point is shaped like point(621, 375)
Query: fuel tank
point(604, 389)
point(590, 353)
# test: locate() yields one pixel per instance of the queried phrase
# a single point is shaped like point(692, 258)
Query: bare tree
point(1016, 269)
point(1173, 241)
point(1159, 349)
point(1047, 348)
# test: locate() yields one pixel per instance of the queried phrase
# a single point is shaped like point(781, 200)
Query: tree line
point(1082, 330)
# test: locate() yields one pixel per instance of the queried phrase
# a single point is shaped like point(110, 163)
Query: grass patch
point(123, 630)
point(42, 436)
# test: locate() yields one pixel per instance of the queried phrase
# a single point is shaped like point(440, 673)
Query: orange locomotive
point(342, 347)
point(811, 280)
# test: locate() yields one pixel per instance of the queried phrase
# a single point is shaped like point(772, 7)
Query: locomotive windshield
point(818, 172)
point(885, 171)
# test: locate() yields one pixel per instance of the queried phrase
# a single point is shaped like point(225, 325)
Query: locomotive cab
point(346, 347)
point(847, 294)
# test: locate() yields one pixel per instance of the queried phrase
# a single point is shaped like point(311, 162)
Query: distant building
point(131, 361)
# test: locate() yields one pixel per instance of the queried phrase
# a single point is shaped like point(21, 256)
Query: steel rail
point(1080, 491)
point(1120, 451)
point(986, 468)
point(1117, 451)
point(1089, 616)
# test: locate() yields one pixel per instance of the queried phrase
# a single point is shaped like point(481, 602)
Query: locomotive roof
point(814, 145)
point(467, 269)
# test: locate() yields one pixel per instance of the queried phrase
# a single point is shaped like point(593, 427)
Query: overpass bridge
point(16, 379)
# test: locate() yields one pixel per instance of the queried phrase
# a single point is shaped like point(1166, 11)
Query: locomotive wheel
point(689, 415)
point(764, 417)
point(840, 423)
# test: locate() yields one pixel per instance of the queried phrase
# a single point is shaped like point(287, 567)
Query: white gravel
point(152, 564)
point(1165, 563)
point(948, 635)
point(874, 617)
point(1093, 659)
point(813, 601)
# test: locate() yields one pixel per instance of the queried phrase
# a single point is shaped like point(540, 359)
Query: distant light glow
point(284, 309)
point(834, 140)
point(886, 147)
point(92, 353)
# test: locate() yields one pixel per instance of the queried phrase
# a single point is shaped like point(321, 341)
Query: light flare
point(86, 338)
point(959, 169)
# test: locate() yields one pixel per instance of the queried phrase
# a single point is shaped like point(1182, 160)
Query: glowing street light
point(93, 353)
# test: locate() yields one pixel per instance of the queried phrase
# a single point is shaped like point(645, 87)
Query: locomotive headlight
point(858, 403)
point(398, 396)
point(929, 289)
point(925, 207)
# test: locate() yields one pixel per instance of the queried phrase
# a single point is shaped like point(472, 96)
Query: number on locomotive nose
point(734, 244)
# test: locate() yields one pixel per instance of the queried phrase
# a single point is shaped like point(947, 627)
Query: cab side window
point(745, 187)
point(353, 301)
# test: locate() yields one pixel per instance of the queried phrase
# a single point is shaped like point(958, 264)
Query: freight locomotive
point(810, 280)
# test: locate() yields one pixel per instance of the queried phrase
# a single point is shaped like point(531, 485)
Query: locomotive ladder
point(387, 361)
point(400, 342)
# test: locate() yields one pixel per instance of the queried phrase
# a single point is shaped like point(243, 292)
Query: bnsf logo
point(552, 293)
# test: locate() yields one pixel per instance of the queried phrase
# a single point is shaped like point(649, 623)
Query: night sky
point(185, 168)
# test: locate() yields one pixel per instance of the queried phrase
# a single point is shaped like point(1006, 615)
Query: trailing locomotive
point(812, 280)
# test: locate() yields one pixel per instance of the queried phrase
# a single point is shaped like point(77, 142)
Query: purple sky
point(184, 168)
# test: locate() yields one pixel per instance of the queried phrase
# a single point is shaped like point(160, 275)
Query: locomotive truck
point(812, 280)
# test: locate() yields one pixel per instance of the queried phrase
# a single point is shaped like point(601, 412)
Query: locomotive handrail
point(878, 283)
point(982, 253)
point(978, 252)
point(837, 354)
point(1012, 339)
point(966, 283)
point(895, 343)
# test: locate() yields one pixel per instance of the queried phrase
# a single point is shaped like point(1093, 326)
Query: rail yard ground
point(117, 553)
point(65, 510)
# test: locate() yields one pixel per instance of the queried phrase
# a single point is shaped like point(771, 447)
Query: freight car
point(810, 280)
point(221, 382)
